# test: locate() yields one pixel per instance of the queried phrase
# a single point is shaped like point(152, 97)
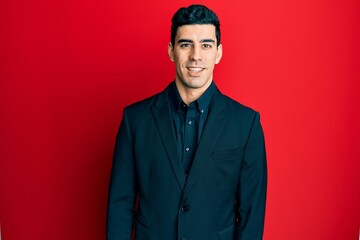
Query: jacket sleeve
point(251, 195)
point(122, 187)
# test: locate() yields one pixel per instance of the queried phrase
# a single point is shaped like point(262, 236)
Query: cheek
point(179, 60)
point(211, 57)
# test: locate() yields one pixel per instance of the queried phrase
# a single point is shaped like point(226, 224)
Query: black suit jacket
point(223, 197)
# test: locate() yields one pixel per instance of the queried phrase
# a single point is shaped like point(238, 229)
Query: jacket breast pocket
point(228, 233)
point(228, 155)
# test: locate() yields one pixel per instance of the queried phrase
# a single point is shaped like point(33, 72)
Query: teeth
point(195, 69)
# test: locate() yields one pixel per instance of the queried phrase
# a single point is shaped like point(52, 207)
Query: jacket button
point(184, 208)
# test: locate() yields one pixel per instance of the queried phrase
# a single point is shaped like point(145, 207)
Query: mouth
point(195, 69)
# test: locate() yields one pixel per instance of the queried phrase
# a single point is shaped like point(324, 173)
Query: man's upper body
point(189, 162)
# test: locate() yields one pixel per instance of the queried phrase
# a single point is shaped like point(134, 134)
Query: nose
point(195, 54)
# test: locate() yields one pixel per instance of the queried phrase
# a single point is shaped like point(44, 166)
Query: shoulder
point(143, 104)
point(140, 109)
point(238, 109)
point(143, 107)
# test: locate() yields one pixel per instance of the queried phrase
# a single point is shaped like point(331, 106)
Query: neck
point(188, 94)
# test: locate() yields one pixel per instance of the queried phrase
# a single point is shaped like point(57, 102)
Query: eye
point(185, 45)
point(206, 45)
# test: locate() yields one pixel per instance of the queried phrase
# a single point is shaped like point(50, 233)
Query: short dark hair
point(194, 14)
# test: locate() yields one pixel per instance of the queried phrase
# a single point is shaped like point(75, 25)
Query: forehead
point(196, 32)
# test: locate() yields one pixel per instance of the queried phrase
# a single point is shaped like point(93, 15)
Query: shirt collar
point(174, 97)
point(202, 103)
point(205, 98)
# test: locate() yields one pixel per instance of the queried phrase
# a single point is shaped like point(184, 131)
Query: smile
point(195, 69)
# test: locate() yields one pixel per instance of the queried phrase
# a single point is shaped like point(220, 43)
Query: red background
point(68, 68)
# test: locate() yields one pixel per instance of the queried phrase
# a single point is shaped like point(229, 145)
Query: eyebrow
point(208, 40)
point(185, 41)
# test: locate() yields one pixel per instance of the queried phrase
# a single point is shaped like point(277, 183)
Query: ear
point(219, 54)
point(171, 52)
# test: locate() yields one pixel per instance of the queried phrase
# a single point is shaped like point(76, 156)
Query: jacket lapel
point(213, 127)
point(164, 124)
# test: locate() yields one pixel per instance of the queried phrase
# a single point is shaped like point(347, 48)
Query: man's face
point(195, 54)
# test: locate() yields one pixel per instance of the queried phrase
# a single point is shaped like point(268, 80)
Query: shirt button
point(189, 122)
point(184, 208)
point(202, 110)
point(187, 149)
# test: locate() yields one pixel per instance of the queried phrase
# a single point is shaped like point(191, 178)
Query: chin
point(193, 82)
point(196, 85)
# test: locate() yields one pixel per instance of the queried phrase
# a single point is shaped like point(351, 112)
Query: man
point(189, 162)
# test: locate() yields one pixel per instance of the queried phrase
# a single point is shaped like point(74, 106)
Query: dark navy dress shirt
point(189, 121)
